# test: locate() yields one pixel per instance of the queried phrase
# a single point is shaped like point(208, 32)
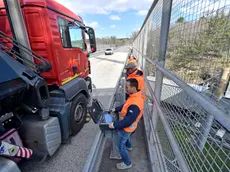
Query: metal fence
point(102, 45)
point(183, 48)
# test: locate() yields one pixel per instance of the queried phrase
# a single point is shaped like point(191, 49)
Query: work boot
point(129, 149)
point(123, 166)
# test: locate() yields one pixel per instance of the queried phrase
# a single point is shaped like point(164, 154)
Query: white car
point(109, 51)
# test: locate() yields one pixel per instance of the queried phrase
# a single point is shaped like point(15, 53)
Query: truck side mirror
point(92, 39)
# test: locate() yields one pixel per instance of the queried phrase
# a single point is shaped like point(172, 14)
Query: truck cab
point(53, 34)
point(54, 101)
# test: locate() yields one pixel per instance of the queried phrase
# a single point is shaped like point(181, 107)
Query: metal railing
point(94, 157)
point(183, 48)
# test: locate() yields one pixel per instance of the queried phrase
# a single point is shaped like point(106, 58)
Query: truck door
point(72, 54)
point(77, 40)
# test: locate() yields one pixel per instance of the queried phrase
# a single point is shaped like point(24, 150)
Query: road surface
point(71, 157)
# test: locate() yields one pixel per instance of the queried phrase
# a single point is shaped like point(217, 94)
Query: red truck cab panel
point(52, 37)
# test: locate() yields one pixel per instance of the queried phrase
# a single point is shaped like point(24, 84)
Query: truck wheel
point(78, 113)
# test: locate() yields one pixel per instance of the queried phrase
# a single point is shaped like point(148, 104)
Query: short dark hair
point(133, 82)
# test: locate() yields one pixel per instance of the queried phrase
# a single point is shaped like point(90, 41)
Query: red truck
point(45, 88)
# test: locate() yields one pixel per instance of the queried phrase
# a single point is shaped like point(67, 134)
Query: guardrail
point(93, 159)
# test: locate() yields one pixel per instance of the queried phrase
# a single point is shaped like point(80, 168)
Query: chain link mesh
point(188, 121)
point(198, 46)
point(198, 53)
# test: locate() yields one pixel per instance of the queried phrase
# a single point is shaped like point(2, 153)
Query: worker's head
point(132, 57)
point(131, 86)
point(130, 67)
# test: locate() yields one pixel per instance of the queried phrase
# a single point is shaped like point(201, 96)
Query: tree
point(134, 35)
point(113, 39)
point(200, 51)
point(180, 20)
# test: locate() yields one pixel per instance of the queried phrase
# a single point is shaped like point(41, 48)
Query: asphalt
point(71, 156)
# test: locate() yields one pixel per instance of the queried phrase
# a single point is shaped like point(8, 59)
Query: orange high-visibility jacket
point(139, 76)
point(134, 99)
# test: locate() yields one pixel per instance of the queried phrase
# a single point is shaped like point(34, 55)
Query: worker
point(133, 72)
point(132, 59)
point(129, 116)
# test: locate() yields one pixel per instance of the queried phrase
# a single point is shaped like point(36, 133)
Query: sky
point(121, 17)
point(192, 10)
point(111, 18)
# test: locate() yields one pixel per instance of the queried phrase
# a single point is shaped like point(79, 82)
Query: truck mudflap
point(89, 106)
point(11, 150)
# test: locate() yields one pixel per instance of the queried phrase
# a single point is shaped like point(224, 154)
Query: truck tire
point(78, 113)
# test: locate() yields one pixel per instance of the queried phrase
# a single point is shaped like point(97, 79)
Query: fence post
point(144, 51)
point(165, 24)
point(223, 82)
point(138, 49)
point(207, 124)
point(141, 46)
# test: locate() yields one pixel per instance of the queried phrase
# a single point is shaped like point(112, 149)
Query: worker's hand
point(111, 126)
point(116, 110)
point(111, 111)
